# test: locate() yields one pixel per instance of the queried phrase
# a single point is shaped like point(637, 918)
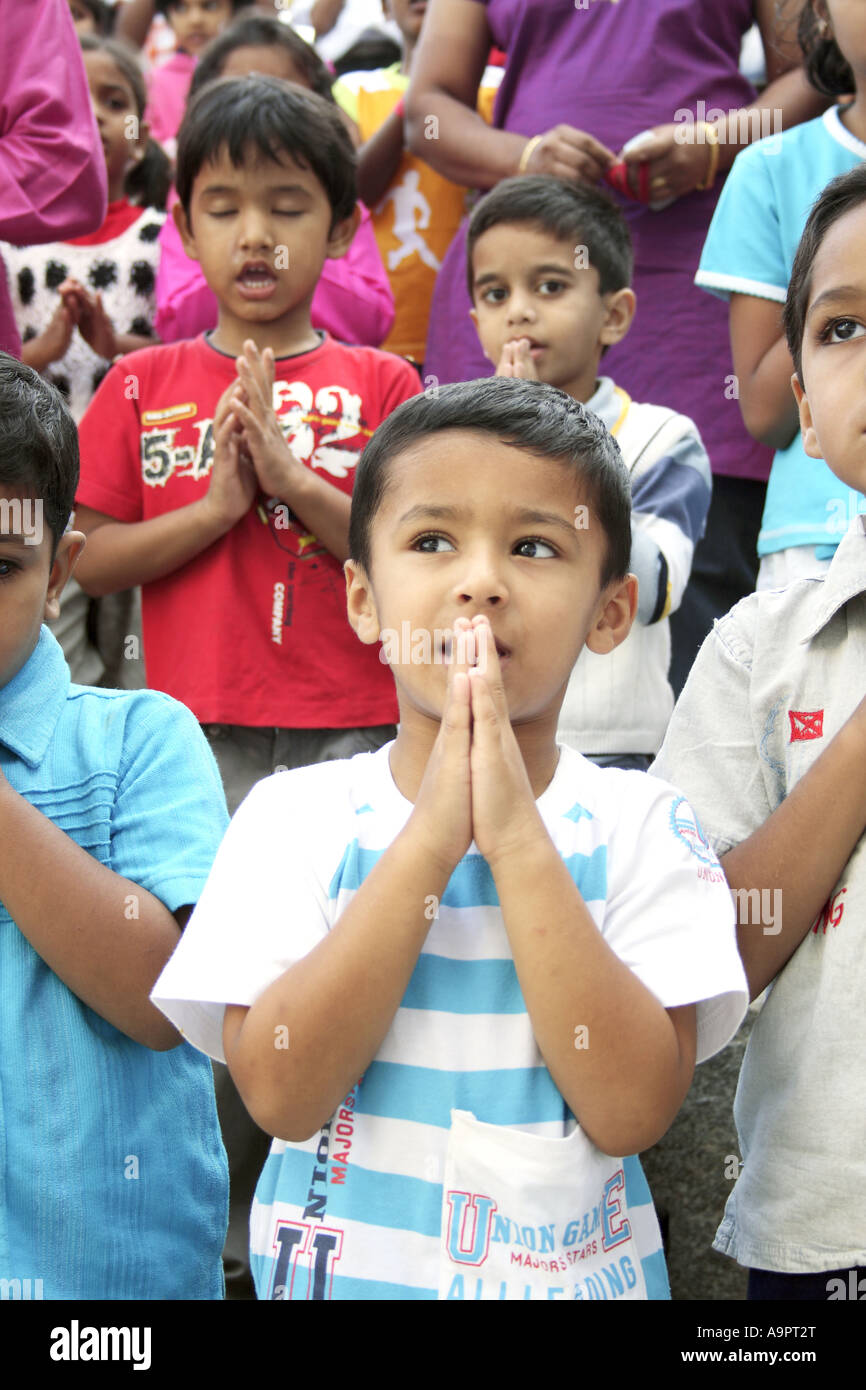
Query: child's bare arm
point(379, 158)
point(118, 555)
point(763, 367)
point(800, 850)
point(103, 935)
point(339, 1001)
point(627, 1084)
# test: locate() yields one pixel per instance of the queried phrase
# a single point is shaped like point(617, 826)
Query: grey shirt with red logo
point(772, 685)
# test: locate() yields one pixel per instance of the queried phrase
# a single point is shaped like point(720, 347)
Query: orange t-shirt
point(416, 219)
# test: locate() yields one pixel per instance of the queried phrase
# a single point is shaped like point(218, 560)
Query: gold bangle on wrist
point(527, 152)
point(711, 135)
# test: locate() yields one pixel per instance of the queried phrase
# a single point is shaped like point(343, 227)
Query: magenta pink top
point(52, 168)
point(167, 88)
point(353, 299)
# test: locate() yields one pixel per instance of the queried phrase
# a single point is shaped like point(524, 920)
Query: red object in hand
point(617, 177)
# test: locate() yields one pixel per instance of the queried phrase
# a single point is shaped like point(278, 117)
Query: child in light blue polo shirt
point(113, 1180)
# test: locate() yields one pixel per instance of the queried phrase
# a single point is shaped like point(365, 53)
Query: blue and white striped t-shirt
point(355, 1211)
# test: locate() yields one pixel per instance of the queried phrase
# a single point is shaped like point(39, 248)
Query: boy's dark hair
point(38, 443)
point(168, 5)
point(826, 68)
point(148, 182)
point(372, 49)
point(840, 196)
point(577, 213)
point(240, 113)
point(252, 29)
point(103, 15)
point(529, 415)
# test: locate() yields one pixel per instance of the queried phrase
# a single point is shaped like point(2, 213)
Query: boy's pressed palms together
point(275, 464)
point(516, 361)
point(443, 810)
point(233, 482)
point(504, 815)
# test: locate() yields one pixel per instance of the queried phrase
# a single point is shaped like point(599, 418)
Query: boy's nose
point(254, 230)
point(520, 309)
point(482, 585)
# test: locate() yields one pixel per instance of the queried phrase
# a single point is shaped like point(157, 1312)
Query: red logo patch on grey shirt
point(806, 723)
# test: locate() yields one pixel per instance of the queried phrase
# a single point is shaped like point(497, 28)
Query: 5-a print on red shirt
point(253, 631)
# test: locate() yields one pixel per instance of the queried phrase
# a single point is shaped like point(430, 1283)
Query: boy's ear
point(810, 439)
point(181, 221)
point(360, 603)
point(473, 314)
point(69, 548)
point(619, 312)
point(342, 234)
point(615, 616)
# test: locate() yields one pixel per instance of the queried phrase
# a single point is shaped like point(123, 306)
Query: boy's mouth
point(256, 280)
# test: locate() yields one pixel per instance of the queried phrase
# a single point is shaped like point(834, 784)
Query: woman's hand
point(674, 168)
point(570, 154)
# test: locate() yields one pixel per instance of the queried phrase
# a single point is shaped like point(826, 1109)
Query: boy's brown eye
point(841, 331)
point(534, 542)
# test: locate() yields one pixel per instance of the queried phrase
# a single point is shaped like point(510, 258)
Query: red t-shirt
point(253, 630)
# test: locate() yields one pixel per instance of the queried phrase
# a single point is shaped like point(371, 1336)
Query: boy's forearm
point(379, 159)
point(338, 1002)
point(36, 353)
point(323, 509)
point(608, 1043)
point(105, 937)
point(119, 555)
point(799, 852)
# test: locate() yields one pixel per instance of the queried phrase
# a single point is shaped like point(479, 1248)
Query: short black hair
point(38, 443)
point(103, 16)
point(241, 114)
point(841, 195)
point(168, 5)
point(252, 29)
point(826, 67)
point(573, 212)
point(528, 415)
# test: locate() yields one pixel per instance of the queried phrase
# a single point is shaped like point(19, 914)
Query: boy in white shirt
point(549, 267)
point(474, 918)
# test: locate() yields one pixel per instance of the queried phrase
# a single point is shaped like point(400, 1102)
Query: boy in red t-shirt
point(217, 472)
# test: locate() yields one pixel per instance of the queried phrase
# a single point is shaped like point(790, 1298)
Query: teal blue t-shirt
point(750, 249)
point(113, 1177)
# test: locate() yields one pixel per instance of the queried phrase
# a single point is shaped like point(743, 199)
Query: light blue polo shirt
point(113, 1177)
point(750, 249)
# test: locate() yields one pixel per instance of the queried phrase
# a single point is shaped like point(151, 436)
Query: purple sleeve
point(52, 168)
